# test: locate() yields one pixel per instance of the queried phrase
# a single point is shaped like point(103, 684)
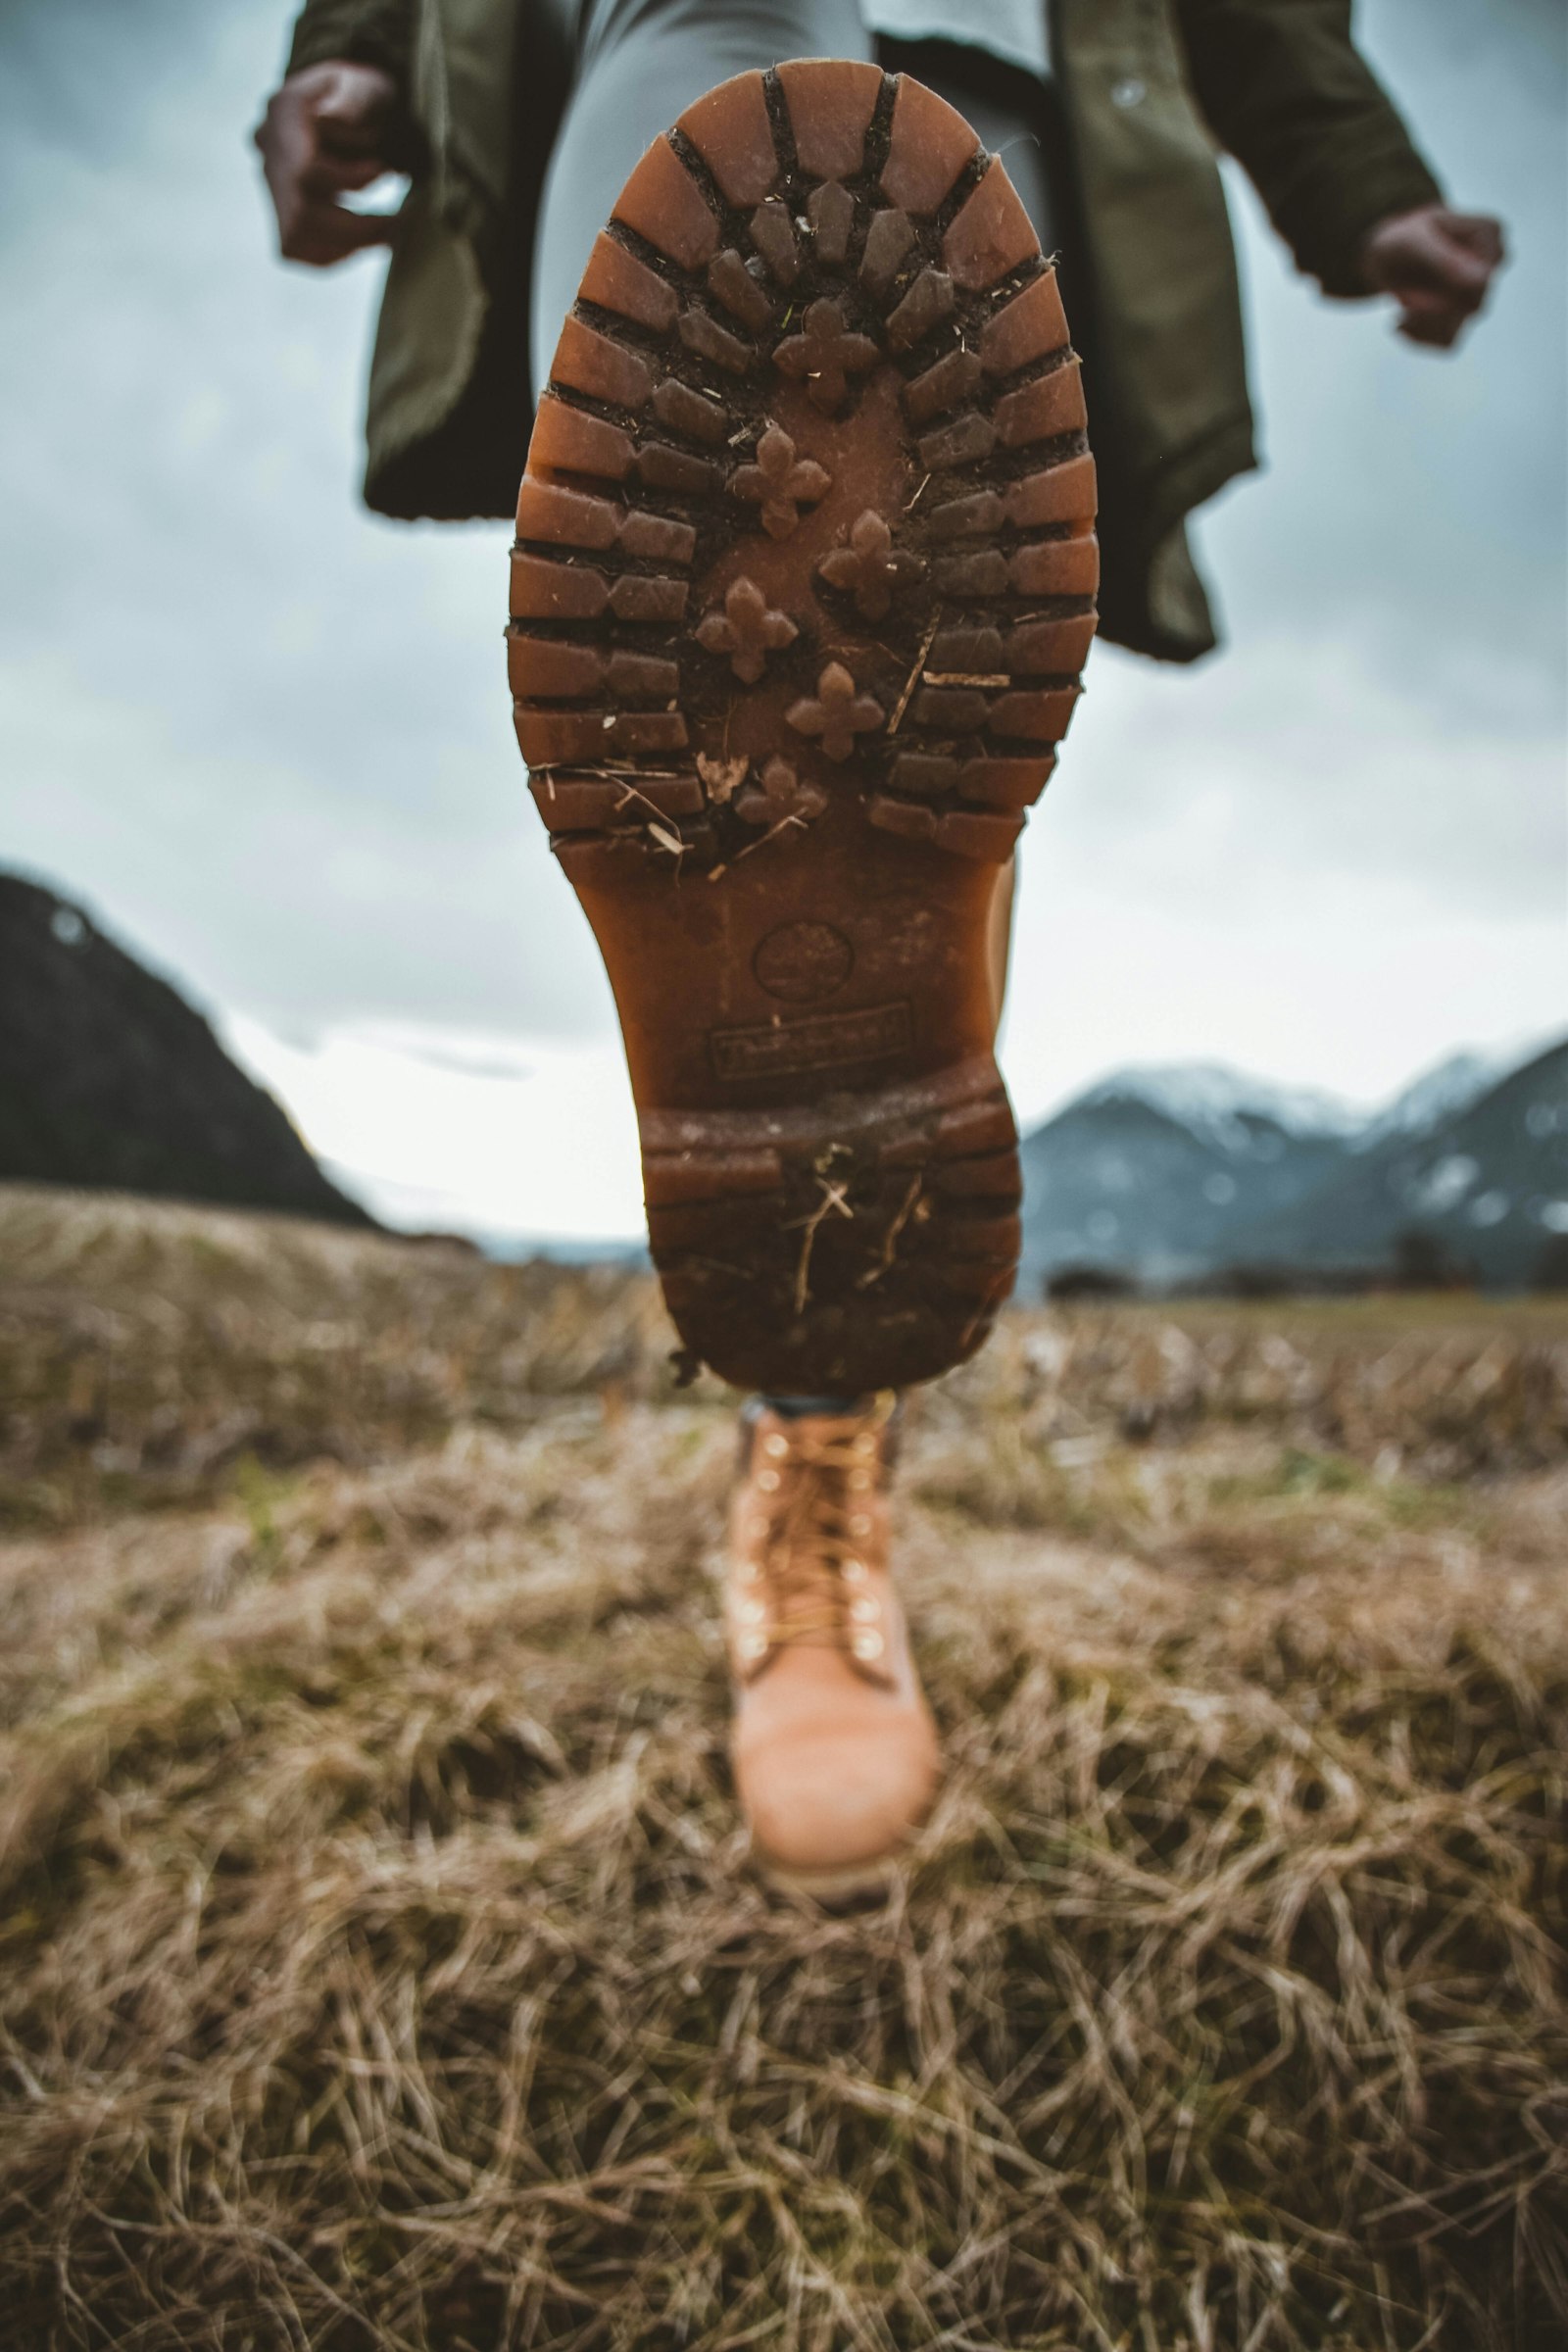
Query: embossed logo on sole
point(827, 1041)
point(802, 960)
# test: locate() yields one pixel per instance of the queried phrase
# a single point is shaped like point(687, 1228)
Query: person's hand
point(1437, 264)
point(324, 133)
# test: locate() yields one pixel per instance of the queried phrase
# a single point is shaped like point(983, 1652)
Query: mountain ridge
point(111, 1080)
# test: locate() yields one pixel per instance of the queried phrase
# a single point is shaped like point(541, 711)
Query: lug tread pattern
point(874, 196)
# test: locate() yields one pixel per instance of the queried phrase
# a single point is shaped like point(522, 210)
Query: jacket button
point(1129, 91)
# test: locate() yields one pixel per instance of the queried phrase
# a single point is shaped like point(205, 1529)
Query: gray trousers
point(641, 62)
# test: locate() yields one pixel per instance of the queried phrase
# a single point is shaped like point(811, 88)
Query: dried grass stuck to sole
point(802, 583)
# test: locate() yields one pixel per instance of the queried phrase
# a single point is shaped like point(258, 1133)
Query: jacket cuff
point(362, 32)
point(1327, 216)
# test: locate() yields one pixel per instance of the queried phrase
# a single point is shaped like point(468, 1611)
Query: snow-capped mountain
point(1438, 1094)
point(1151, 1171)
point(1223, 1106)
point(1172, 1174)
point(1487, 1183)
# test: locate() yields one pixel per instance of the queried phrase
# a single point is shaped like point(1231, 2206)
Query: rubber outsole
point(834, 1889)
point(804, 579)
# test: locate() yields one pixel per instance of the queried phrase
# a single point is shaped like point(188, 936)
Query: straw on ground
point(381, 1964)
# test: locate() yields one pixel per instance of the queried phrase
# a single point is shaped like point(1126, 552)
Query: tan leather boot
point(835, 1754)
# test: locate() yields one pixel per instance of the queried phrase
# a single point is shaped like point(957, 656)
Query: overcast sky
point(266, 738)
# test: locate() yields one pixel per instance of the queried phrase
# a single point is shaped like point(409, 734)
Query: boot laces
point(812, 1539)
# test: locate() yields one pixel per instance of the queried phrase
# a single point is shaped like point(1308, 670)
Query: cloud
point(423, 1137)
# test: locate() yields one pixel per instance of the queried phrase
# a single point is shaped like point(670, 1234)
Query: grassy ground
point(380, 1966)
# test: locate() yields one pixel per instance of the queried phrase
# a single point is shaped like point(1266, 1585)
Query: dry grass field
point(379, 1966)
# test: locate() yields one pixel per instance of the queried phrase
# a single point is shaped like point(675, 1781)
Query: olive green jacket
point(1146, 89)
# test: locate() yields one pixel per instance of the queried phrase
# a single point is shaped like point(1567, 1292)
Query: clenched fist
point(1437, 264)
point(327, 131)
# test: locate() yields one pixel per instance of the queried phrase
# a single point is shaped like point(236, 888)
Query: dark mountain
point(109, 1079)
point(1171, 1176)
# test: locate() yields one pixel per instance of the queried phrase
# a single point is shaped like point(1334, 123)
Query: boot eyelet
point(859, 1525)
point(753, 1646)
point(858, 1480)
point(751, 1612)
point(767, 1480)
point(863, 1611)
point(868, 1644)
point(853, 1572)
point(776, 1445)
point(866, 1442)
point(749, 1570)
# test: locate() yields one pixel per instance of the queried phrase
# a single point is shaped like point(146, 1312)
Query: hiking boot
point(834, 1751)
point(804, 579)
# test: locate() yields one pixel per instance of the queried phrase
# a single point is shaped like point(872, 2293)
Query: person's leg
point(643, 63)
point(803, 577)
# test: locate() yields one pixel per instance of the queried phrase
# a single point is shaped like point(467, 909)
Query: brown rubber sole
point(804, 579)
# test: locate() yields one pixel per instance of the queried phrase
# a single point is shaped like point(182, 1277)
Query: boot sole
point(802, 583)
point(834, 1889)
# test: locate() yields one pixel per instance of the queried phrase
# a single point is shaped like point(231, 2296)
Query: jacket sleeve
point(366, 33)
point(1283, 86)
